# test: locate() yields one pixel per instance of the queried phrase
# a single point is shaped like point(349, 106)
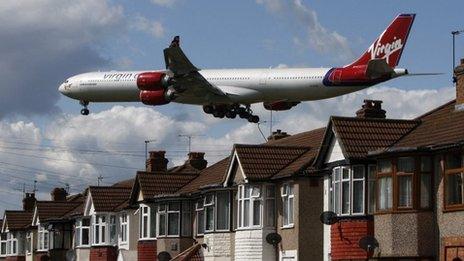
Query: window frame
point(123, 233)
point(452, 171)
point(286, 196)
point(350, 180)
point(149, 222)
point(80, 227)
point(12, 240)
point(243, 190)
point(42, 234)
point(397, 177)
point(3, 242)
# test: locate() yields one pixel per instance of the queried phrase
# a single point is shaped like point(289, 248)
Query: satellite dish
point(273, 238)
point(328, 218)
point(368, 243)
point(71, 255)
point(164, 256)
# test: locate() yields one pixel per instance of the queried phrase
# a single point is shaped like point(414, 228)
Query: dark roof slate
point(49, 210)
point(18, 219)
point(106, 199)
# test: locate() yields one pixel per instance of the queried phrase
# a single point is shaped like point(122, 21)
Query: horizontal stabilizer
point(377, 68)
point(423, 74)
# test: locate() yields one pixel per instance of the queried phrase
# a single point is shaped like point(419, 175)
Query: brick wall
point(146, 250)
point(41, 256)
point(103, 253)
point(345, 236)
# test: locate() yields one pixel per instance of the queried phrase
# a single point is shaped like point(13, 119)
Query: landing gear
point(231, 112)
point(85, 110)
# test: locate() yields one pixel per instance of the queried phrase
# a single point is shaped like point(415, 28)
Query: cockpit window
point(66, 81)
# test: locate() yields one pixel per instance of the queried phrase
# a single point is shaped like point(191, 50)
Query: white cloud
point(153, 28)
point(317, 36)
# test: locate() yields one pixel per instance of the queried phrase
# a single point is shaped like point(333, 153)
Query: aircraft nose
point(61, 88)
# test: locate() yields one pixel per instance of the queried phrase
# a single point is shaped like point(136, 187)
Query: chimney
point(277, 135)
point(459, 77)
point(29, 202)
point(197, 160)
point(371, 109)
point(157, 161)
point(59, 194)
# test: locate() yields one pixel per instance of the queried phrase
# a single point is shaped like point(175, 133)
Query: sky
point(46, 143)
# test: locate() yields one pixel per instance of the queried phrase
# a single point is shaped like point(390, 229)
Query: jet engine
point(157, 97)
point(279, 105)
point(152, 81)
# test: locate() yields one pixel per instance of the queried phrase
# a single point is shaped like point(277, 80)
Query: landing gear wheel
point(208, 109)
point(253, 119)
point(231, 114)
point(85, 111)
point(219, 114)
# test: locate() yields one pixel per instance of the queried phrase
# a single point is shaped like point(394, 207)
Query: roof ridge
point(272, 146)
point(369, 119)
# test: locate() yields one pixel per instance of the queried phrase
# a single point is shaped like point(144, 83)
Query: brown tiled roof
point(47, 210)
point(212, 175)
point(18, 219)
point(184, 168)
point(260, 162)
point(441, 126)
point(358, 136)
point(312, 138)
point(159, 183)
point(106, 199)
point(124, 183)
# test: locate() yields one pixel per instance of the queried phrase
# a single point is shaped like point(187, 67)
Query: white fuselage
point(244, 86)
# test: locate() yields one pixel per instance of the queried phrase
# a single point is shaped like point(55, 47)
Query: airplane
point(230, 92)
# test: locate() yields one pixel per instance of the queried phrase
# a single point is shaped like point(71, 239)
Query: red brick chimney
point(59, 194)
point(371, 109)
point(197, 160)
point(29, 202)
point(157, 161)
point(277, 135)
point(459, 74)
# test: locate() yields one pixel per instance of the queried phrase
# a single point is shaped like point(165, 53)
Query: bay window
point(213, 212)
point(371, 195)
point(454, 181)
point(99, 229)
point(43, 238)
point(209, 212)
point(222, 210)
point(123, 228)
point(287, 204)
point(11, 244)
point(82, 232)
point(147, 224)
point(348, 190)
point(404, 183)
point(270, 206)
point(113, 229)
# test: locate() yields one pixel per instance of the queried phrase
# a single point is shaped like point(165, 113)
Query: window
point(222, 210)
point(270, 206)
point(82, 232)
point(425, 187)
point(162, 220)
point(249, 206)
point(200, 217)
point(43, 237)
point(186, 219)
point(348, 190)
point(124, 228)
point(385, 188)
point(405, 173)
point(112, 230)
point(209, 212)
point(11, 244)
point(372, 170)
point(287, 204)
point(3, 239)
point(147, 223)
point(454, 181)
point(169, 219)
point(99, 229)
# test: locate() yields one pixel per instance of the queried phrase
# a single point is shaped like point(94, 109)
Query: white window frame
point(287, 197)
point(103, 230)
point(209, 205)
point(113, 225)
point(123, 229)
point(161, 210)
point(29, 242)
point(270, 200)
point(12, 240)
point(149, 221)
point(350, 180)
point(42, 234)
point(242, 189)
point(80, 231)
point(199, 209)
point(171, 212)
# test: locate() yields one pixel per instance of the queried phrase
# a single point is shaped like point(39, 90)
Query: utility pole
point(454, 33)
point(35, 187)
point(189, 137)
point(146, 148)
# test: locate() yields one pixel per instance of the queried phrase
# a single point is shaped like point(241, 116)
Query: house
point(50, 236)
point(14, 227)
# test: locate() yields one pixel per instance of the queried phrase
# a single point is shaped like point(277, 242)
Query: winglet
point(175, 41)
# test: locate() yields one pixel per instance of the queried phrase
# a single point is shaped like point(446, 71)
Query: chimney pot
point(157, 161)
point(197, 160)
point(371, 109)
point(277, 135)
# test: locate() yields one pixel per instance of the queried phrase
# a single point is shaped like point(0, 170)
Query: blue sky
point(45, 42)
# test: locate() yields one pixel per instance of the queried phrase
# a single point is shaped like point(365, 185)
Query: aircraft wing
point(186, 78)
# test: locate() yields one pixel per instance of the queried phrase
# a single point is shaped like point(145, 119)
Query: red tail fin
point(390, 43)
